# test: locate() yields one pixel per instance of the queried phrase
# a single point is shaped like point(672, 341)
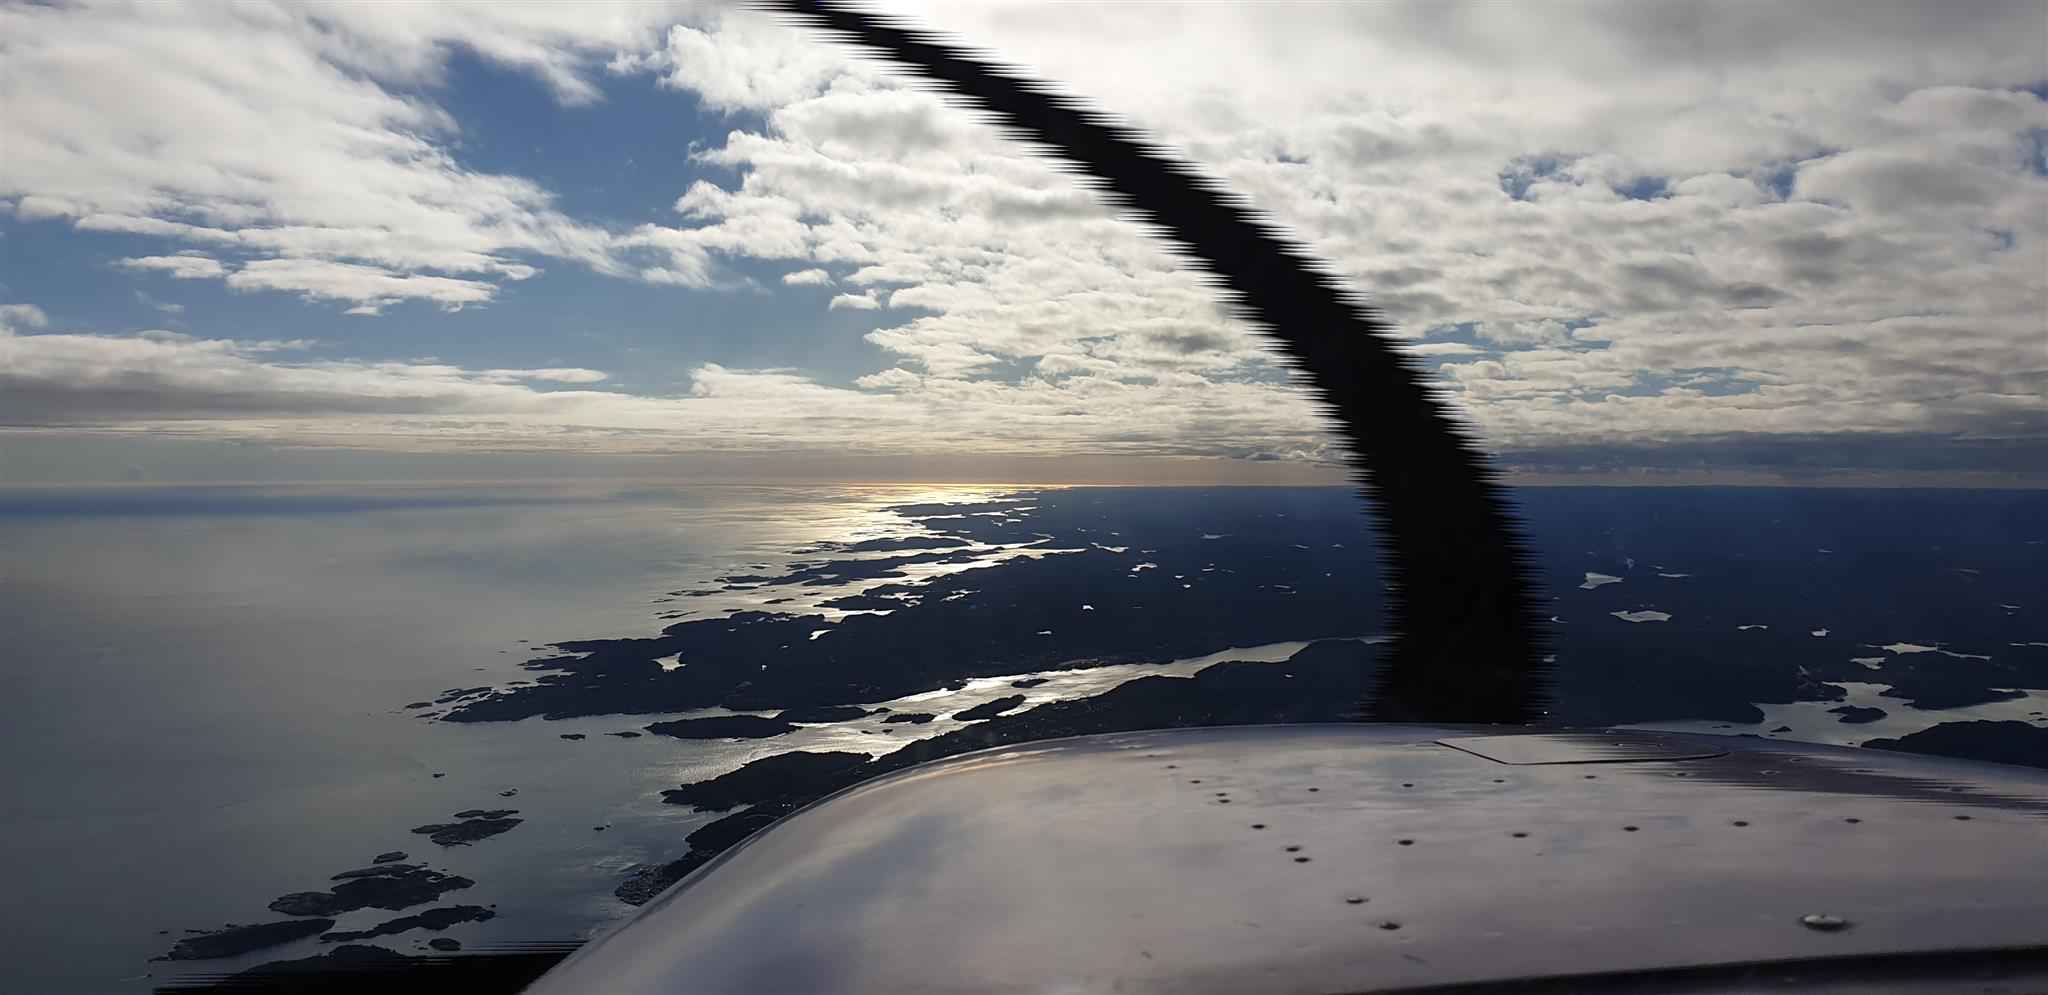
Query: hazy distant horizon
point(32, 461)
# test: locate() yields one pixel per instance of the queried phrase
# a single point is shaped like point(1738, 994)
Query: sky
point(1652, 242)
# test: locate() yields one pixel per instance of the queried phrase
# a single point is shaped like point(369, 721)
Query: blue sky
point(1639, 242)
point(619, 162)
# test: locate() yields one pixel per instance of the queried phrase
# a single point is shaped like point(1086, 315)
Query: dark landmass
point(1030, 682)
point(1300, 564)
point(233, 940)
point(840, 571)
point(1937, 680)
point(548, 662)
point(1288, 564)
point(399, 886)
point(486, 813)
point(1855, 715)
point(909, 542)
point(763, 778)
point(1782, 729)
point(572, 735)
point(2008, 742)
point(624, 735)
point(991, 625)
point(337, 958)
point(356, 969)
point(722, 727)
point(990, 709)
point(1932, 693)
point(387, 858)
point(915, 718)
point(823, 713)
point(432, 919)
point(420, 704)
point(445, 943)
point(370, 872)
point(508, 792)
point(481, 827)
point(453, 695)
point(1310, 686)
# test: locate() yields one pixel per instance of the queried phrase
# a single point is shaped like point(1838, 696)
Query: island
point(2001, 742)
point(388, 886)
point(432, 919)
point(476, 824)
point(723, 727)
point(823, 713)
point(232, 940)
point(989, 710)
point(763, 778)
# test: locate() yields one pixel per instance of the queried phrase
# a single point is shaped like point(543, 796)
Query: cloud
point(856, 302)
point(1443, 349)
point(1797, 457)
point(736, 59)
point(1655, 227)
point(551, 374)
point(171, 385)
point(294, 137)
point(143, 298)
point(183, 267)
point(369, 287)
point(12, 315)
point(1654, 231)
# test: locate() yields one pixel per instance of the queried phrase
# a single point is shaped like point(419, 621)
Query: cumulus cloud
point(184, 267)
point(368, 286)
point(557, 374)
point(176, 385)
point(856, 302)
point(1639, 228)
point(1687, 227)
point(22, 315)
point(738, 59)
point(292, 136)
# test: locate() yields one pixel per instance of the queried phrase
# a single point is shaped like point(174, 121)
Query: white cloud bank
point(1657, 225)
point(1661, 225)
point(178, 386)
point(286, 135)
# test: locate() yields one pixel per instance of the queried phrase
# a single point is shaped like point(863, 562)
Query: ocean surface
point(214, 697)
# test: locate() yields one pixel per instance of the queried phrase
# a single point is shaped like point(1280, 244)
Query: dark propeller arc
point(1467, 643)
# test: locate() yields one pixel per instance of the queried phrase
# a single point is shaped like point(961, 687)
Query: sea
point(211, 697)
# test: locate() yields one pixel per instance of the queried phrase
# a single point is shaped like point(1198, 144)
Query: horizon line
point(1836, 481)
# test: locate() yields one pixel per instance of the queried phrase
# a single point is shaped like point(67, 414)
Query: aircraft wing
point(1371, 858)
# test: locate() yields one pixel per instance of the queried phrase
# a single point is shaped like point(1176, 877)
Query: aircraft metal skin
point(1354, 858)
